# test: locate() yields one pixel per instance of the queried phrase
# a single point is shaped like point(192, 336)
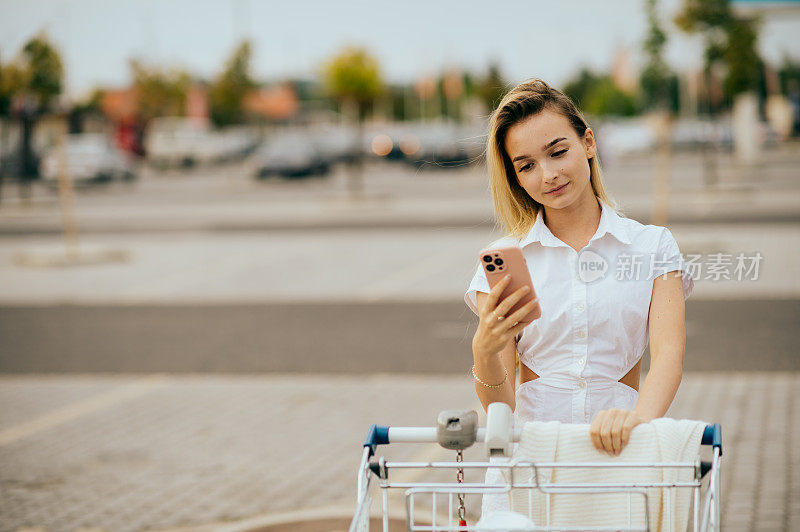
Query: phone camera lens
point(499, 262)
point(487, 258)
point(489, 267)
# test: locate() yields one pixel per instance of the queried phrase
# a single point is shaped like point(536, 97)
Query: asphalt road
point(337, 337)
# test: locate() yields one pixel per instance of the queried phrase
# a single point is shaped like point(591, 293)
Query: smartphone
point(499, 262)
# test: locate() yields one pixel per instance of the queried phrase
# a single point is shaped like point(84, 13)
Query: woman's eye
point(559, 153)
point(525, 167)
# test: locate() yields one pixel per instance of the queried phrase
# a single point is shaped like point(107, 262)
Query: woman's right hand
point(496, 327)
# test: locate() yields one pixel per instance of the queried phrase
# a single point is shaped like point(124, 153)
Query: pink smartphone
point(499, 262)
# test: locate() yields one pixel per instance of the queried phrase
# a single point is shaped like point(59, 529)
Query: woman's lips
point(559, 189)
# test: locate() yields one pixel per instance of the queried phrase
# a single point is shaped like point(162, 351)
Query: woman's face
point(550, 161)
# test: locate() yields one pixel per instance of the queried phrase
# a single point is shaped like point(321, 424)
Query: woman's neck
point(576, 224)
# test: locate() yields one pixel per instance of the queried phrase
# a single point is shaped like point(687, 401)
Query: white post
point(746, 138)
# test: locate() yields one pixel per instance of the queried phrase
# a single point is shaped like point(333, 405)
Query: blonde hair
point(516, 211)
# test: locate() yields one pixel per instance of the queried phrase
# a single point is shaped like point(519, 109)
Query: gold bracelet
point(490, 385)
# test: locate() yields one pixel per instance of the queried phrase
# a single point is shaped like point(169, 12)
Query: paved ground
point(159, 452)
point(177, 388)
point(340, 338)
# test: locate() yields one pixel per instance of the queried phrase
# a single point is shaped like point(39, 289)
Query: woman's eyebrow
point(551, 143)
point(556, 141)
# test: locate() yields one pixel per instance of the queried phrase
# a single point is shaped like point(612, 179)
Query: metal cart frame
point(705, 517)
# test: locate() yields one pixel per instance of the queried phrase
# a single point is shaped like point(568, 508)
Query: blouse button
point(581, 361)
point(581, 334)
point(582, 383)
point(580, 307)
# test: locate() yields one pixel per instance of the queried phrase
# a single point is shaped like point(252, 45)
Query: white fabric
point(504, 521)
point(662, 440)
point(614, 395)
point(592, 331)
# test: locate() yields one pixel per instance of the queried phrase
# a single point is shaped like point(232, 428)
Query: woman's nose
point(549, 173)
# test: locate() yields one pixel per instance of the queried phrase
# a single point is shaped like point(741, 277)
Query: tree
point(80, 110)
point(598, 95)
point(491, 88)
point(655, 77)
point(353, 77)
point(45, 71)
point(605, 98)
point(227, 92)
point(745, 66)
point(730, 41)
point(578, 88)
point(789, 75)
point(12, 81)
point(29, 87)
point(160, 93)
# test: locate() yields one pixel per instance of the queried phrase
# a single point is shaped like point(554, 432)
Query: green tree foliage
point(655, 77)
point(745, 66)
point(789, 75)
point(37, 75)
point(491, 88)
point(598, 95)
point(605, 98)
point(88, 106)
point(38, 72)
point(353, 75)
point(13, 79)
point(45, 70)
point(227, 92)
point(579, 87)
point(730, 40)
point(397, 102)
point(703, 15)
point(160, 93)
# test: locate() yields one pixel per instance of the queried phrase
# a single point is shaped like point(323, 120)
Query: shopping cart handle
point(379, 435)
point(712, 435)
point(376, 435)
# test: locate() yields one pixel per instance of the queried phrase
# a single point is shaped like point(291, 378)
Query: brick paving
point(186, 451)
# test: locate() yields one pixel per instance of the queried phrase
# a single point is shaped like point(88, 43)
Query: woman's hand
point(496, 327)
point(611, 429)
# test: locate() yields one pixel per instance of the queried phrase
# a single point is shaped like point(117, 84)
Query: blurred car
point(336, 144)
point(690, 134)
point(472, 139)
point(290, 155)
point(183, 142)
point(177, 141)
point(619, 137)
point(89, 158)
point(440, 146)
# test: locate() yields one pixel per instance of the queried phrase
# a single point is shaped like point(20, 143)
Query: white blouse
point(595, 308)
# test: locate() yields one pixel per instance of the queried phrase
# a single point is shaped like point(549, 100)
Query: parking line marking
point(82, 408)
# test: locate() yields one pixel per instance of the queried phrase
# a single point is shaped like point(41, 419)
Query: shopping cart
point(435, 506)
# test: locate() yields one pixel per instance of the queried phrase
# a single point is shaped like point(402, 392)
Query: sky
point(411, 38)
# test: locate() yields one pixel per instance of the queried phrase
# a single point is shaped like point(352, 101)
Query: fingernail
point(507, 277)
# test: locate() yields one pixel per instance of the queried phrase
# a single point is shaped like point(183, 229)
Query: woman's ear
point(589, 143)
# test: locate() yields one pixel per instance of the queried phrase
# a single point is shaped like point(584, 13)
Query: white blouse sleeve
point(478, 284)
point(671, 260)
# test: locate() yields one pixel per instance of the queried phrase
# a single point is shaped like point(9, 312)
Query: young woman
point(604, 283)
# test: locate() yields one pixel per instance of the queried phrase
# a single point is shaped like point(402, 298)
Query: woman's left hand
point(611, 429)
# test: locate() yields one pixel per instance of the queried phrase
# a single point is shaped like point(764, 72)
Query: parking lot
point(175, 386)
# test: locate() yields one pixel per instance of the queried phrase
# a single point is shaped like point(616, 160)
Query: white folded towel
point(661, 440)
